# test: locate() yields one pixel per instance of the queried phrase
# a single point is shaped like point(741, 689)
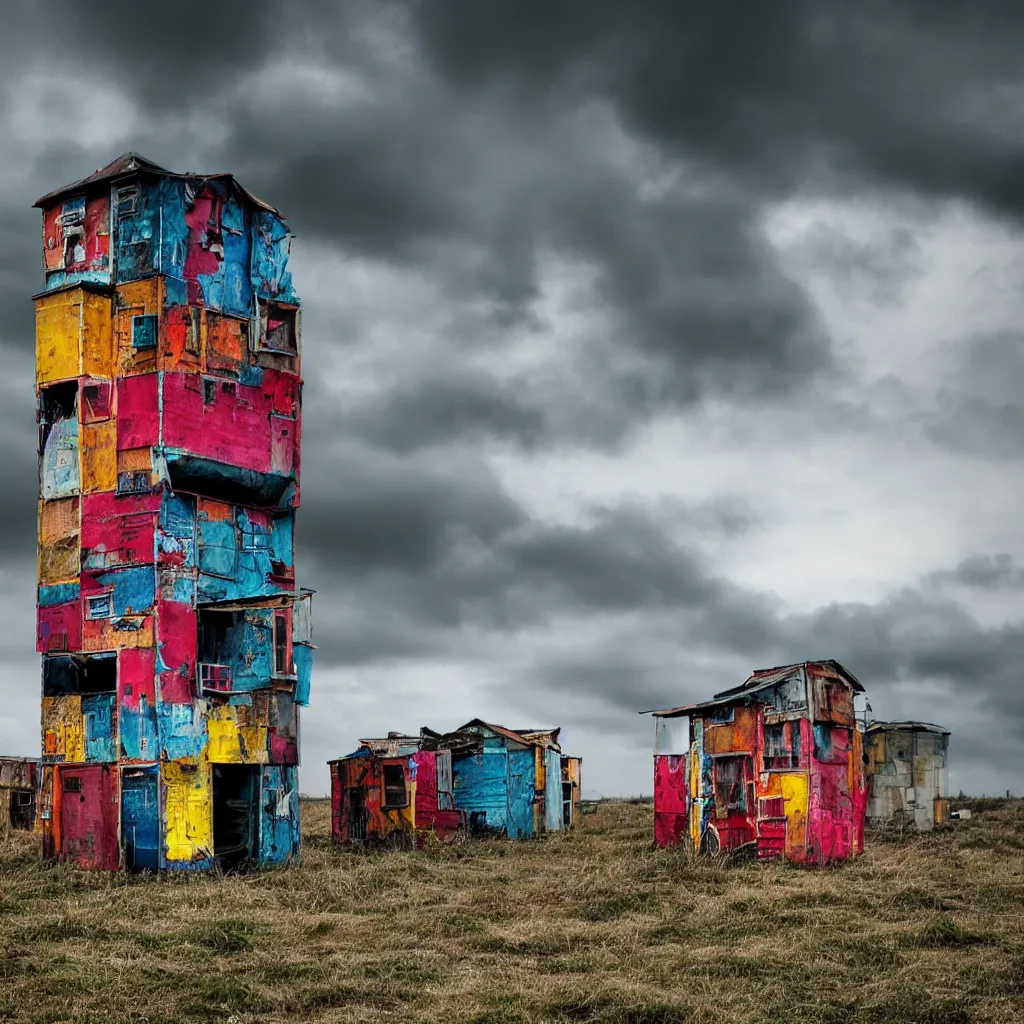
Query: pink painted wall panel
point(283, 750)
point(118, 530)
point(234, 428)
point(59, 627)
point(135, 677)
point(429, 817)
point(138, 415)
point(670, 798)
point(176, 640)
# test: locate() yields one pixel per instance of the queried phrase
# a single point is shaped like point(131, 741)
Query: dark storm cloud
point(915, 94)
point(984, 572)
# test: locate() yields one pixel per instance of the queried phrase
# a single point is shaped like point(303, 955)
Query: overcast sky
point(645, 344)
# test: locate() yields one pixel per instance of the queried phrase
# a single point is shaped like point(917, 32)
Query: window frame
point(386, 803)
point(92, 600)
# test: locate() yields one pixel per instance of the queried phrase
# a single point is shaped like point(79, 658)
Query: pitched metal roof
point(757, 680)
point(133, 163)
point(905, 727)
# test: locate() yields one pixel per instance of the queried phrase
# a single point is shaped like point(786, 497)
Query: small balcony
point(214, 679)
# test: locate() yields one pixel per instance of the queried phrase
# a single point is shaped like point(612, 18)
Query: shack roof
point(758, 680)
point(133, 163)
point(905, 727)
point(396, 744)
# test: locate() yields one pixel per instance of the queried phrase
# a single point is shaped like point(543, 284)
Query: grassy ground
point(592, 926)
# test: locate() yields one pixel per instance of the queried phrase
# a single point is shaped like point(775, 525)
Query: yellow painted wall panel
point(100, 634)
point(138, 298)
point(98, 448)
point(97, 336)
point(58, 334)
point(254, 744)
point(64, 728)
point(224, 746)
point(189, 811)
point(794, 793)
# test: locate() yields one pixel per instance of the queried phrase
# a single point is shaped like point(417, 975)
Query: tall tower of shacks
point(175, 646)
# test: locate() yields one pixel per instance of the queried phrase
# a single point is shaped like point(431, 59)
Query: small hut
point(19, 784)
point(394, 791)
point(908, 773)
point(774, 766)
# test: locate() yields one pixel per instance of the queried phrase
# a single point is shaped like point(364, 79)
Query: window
point(771, 807)
point(722, 716)
point(136, 481)
point(782, 745)
point(209, 391)
point(72, 212)
point(126, 200)
point(282, 645)
point(193, 332)
point(144, 331)
point(73, 784)
point(99, 607)
point(96, 402)
point(394, 786)
point(278, 327)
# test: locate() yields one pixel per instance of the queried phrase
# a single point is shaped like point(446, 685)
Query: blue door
point(140, 818)
point(552, 791)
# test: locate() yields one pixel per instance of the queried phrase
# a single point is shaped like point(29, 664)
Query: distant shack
point(19, 785)
point(908, 774)
point(479, 779)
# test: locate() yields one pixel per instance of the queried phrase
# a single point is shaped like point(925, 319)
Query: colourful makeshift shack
point(506, 780)
point(393, 791)
point(774, 766)
point(907, 773)
point(19, 784)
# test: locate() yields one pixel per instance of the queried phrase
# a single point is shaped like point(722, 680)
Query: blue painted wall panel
point(270, 249)
point(134, 590)
point(302, 655)
point(138, 731)
point(177, 528)
point(480, 782)
point(522, 774)
point(140, 818)
point(279, 814)
point(552, 791)
point(181, 736)
point(57, 593)
point(98, 714)
point(136, 236)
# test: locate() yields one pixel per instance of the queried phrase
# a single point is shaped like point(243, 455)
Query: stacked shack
point(481, 778)
point(393, 791)
point(19, 783)
point(774, 766)
point(908, 774)
point(176, 647)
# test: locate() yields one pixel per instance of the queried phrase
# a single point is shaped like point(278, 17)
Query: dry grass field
point(596, 925)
